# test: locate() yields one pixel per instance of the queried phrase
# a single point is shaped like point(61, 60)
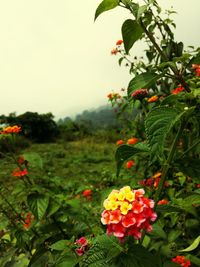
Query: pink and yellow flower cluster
point(127, 212)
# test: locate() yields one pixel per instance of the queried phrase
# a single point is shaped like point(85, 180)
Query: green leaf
point(195, 59)
point(158, 231)
point(173, 235)
point(105, 5)
point(193, 246)
point(131, 32)
point(59, 245)
point(141, 11)
point(194, 259)
point(190, 167)
point(38, 204)
point(34, 159)
point(124, 152)
point(143, 80)
point(158, 123)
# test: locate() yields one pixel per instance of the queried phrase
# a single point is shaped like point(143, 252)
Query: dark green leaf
point(190, 167)
point(143, 80)
point(158, 123)
point(170, 264)
point(59, 245)
point(106, 5)
point(124, 152)
point(38, 204)
point(131, 32)
point(34, 159)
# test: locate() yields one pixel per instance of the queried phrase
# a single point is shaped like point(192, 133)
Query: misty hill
point(104, 117)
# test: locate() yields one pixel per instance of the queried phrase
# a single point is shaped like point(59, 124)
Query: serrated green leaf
point(143, 80)
point(124, 152)
point(158, 123)
point(193, 246)
point(59, 245)
point(38, 204)
point(131, 32)
point(173, 235)
point(105, 5)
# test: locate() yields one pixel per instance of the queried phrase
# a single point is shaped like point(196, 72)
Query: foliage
point(52, 216)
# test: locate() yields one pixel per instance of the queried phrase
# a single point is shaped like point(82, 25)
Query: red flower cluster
point(19, 173)
point(197, 185)
point(197, 69)
point(28, 220)
point(120, 142)
point(132, 141)
point(87, 194)
point(11, 129)
point(139, 94)
point(177, 90)
point(153, 181)
point(83, 244)
point(129, 164)
point(127, 212)
point(182, 261)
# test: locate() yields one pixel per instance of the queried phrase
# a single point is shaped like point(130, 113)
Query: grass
point(85, 160)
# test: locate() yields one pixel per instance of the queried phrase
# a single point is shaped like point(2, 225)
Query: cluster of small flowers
point(177, 90)
point(197, 69)
point(11, 129)
point(83, 245)
point(139, 94)
point(127, 212)
point(114, 96)
point(87, 194)
point(28, 220)
point(153, 181)
point(19, 173)
point(182, 261)
point(115, 50)
point(131, 141)
point(130, 164)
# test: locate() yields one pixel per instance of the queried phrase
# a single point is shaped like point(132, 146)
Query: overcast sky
point(54, 58)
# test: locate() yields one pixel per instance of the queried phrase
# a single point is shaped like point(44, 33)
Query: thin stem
point(189, 149)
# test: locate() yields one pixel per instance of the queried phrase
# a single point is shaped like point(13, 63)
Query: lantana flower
point(139, 94)
point(11, 129)
point(87, 194)
point(119, 42)
point(130, 164)
point(28, 221)
point(163, 202)
point(83, 245)
point(177, 90)
point(152, 99)
point(127, 212)
point(182, 261)
point(197, 69)
point(114, 51)
point(19, 173)
point(132, 141)
point(120, 142)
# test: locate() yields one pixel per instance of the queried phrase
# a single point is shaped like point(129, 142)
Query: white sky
point(54, 58)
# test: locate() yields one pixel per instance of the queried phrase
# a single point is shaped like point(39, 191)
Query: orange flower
point(163, 202)
point(132, 141)
point(110, 96)
point(152, 99)
point(119, 42)
point(120, 142)
point(11, 129)
point(114, 51)
point(130, 163)
point(28, 221)
point(19, 173)
point(177, 90)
